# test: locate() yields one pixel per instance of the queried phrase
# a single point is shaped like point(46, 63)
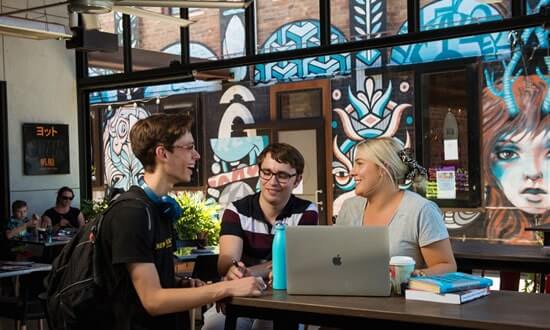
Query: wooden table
point(516, 258)
point(499, 310)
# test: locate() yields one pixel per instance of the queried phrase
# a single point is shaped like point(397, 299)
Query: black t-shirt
point(129, 235)
point(72, 216)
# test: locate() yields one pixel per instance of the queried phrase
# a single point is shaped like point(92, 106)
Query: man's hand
point(237, 271)
point(246, 286)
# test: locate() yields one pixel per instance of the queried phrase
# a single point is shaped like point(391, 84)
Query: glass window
point(106, 63)
point(285, 25)
point(340, 19)
point(216, 33)
point(447, 105)
point(300, 104)
point(150, 38)
point(446, 13)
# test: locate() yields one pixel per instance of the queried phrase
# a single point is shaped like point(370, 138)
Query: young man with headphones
point(136, 235)
point(248, 224)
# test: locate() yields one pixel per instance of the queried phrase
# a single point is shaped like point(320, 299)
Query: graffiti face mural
point(516, 145)
point(122, 168)
point(521, 165)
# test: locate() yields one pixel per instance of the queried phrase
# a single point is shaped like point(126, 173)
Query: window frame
point(471, 67)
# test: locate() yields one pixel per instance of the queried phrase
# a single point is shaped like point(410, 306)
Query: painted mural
point(231, 155)
point(367, 21)
point(449, 13)
point(297, 35)
point(516, 144)
point(507, 214)
point(122, 168)
point(514, 110)
point(233, 42)
point(364, 115)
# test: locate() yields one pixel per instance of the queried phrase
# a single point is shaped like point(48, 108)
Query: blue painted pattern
point(297, 35)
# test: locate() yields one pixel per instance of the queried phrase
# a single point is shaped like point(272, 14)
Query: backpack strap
point(127, 196)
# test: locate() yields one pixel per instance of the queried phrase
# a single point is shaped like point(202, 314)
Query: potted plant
point(91, 208)
point(199, 220)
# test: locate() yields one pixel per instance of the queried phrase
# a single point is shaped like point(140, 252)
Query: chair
point(26, 306)
point(206, 268)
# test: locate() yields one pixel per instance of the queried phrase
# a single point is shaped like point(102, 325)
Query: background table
point(35, 267)
point(483, 255)
point(499, 310)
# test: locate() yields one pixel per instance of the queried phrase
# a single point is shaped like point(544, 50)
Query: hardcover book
point(449, 282)
point(457, 298)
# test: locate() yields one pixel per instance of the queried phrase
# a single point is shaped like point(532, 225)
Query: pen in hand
point(239, 267)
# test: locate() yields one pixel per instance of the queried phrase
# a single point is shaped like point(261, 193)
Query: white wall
point(41, 88)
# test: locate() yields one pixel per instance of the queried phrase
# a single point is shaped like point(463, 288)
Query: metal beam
point(185, 39)
point(324, 21)
point(170, 74)
point(127, 43)
point(250, 30)
point(413, 16)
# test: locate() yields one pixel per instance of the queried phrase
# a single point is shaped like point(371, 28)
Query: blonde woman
point(415, 224)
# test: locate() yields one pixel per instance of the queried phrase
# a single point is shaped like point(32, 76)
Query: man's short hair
point(18, 204)
point(158, 129)
point(283, 153)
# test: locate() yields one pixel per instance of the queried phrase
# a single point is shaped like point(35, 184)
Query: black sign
point(45, 149)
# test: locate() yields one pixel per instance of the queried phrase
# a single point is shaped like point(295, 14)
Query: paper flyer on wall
point(446, 185)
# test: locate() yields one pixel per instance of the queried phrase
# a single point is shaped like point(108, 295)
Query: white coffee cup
point(401, 268)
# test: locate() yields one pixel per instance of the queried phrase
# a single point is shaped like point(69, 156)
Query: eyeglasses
point(282, 177)
point(67, 198)
point(189, 147)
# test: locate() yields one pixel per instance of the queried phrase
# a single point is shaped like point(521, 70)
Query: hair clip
point(414, 168)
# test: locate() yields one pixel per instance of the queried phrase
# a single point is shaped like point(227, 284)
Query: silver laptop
point(337, 260)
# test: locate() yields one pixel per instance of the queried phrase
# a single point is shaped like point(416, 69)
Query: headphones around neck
point(168, 206)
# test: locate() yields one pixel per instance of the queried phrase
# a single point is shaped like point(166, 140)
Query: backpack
point(76, 293)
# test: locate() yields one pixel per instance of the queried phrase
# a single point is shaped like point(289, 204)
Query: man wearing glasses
point(247, 224)
point(136, 242)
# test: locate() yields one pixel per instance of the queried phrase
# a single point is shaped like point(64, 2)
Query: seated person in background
point(416, 225)
point(247, 224)
point(63, 215)
point(18, 223)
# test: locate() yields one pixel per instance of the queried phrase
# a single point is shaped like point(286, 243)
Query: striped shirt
point(244, 218)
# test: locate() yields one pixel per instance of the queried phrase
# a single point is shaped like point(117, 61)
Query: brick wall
point(271, 14)
point(206, 30)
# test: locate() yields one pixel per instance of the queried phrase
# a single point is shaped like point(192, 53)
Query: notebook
point(337, 260)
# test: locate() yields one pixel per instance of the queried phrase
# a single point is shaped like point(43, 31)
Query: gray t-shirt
point(417, 222)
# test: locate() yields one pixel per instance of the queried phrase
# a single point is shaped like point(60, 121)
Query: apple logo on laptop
point(337, 261)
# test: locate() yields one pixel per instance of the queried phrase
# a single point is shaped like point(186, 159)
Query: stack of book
point(450, 288)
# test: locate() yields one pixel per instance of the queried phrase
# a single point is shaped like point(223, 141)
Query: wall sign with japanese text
point(45, 149)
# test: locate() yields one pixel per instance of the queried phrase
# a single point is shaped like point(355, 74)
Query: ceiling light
point(33, 29)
